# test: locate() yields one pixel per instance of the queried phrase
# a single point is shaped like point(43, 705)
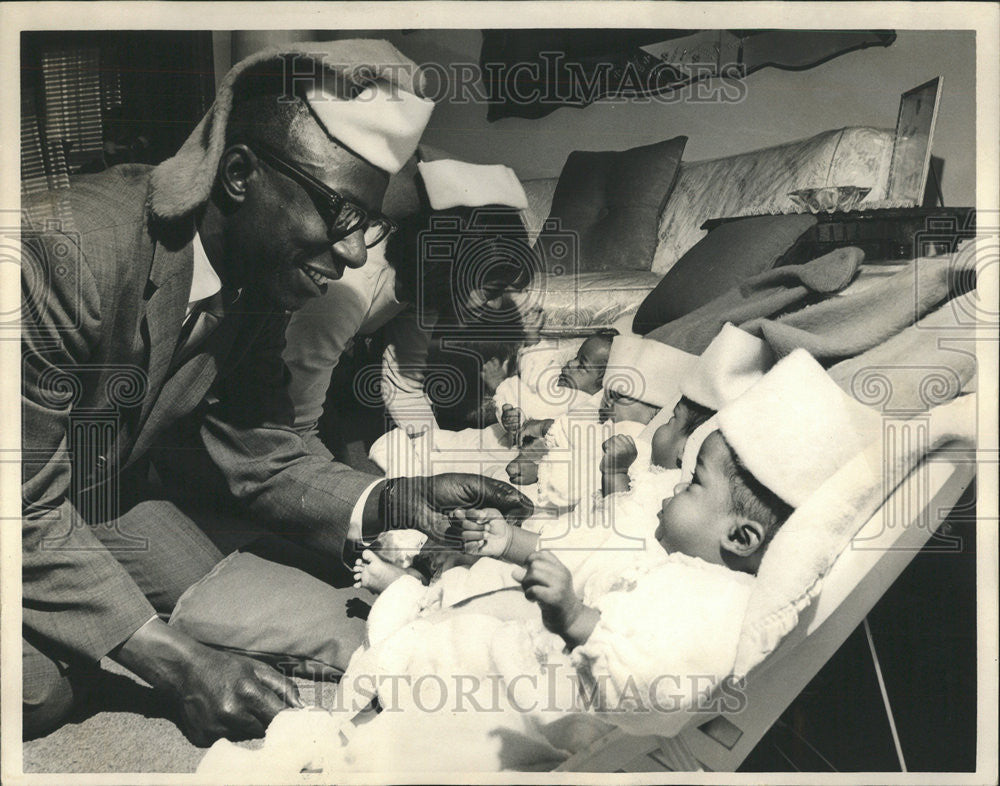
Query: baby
point(641, 377)
point(730, 364)
point(584, 373)
point(774, 446)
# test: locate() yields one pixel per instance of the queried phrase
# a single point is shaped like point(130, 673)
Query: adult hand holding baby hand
point(484, 532)
point(424, 503)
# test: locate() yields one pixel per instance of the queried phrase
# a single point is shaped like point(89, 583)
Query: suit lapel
point(168, 289)
point(188, 383)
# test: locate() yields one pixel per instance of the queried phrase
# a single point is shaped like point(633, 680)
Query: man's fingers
point(518, 574)
point(264, 705)
point(284, 687)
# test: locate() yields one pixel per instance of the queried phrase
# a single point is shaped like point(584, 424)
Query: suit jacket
point(104, 297)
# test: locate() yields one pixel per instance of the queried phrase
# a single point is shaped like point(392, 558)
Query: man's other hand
point(217, 694)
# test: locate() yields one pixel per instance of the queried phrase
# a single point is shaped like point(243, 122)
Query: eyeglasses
point(342, 216)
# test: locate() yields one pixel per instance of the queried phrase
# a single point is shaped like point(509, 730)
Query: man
point(165, 292)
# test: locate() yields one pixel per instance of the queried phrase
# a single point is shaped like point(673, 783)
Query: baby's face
point(670, 438)
point(695, 520)
point(586, 371)
point(620, 408)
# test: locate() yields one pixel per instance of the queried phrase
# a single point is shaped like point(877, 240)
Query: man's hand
point(548, 582)
point(424, 503)
point(619, 454)
point(217, 694)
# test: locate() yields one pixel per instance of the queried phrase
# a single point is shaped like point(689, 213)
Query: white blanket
point(477, 683)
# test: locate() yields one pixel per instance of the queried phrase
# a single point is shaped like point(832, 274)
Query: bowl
point(829, 199)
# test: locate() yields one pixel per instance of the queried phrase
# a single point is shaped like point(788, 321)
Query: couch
point(753, 183)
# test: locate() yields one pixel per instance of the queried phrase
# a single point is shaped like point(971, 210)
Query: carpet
point(125, 727)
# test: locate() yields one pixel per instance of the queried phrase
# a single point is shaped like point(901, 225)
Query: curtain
point(90, 100)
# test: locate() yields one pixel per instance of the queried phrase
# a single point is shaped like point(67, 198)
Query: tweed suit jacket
point(104, 295)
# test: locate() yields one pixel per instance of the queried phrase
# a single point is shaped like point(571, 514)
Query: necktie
point(198, 326)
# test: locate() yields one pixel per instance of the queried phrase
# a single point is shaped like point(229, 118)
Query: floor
point(125, 729)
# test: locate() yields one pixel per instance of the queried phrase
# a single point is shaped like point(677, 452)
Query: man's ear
point(235, 167)
point(743, 537)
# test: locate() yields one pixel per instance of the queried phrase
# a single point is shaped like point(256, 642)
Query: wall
point(859, 88)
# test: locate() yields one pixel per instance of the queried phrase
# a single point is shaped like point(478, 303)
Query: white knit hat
point(796, 427)
point(733, 362)
point(646, 369)
point(451, 183)
point(382, 124)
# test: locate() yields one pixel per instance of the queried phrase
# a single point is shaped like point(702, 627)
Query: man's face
point(283, 242)
point(620, 408)
point(695, 520)
point(586, 371)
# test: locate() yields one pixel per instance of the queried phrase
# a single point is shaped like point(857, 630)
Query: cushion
point(612, 202)
point(730, 254)
point(276, 613)
point(760, 181)
point(799, 559)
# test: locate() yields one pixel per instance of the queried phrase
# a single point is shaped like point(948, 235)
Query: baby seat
point(876, 556)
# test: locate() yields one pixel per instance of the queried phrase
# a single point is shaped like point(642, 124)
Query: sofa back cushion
point(612, 201)
point(759, 182)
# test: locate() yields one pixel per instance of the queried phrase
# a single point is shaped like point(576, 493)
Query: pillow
point(276, 613)
point(730, 254)
point(612, 202)
point(812, 543)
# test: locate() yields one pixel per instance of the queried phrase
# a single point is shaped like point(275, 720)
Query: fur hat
point(733, 362)
point(796, 427)
point(383, 123)
point(453, 183)
point(646, 369)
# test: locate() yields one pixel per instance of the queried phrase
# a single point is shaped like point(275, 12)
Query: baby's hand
point(510, 419)
point(548, 582)
point(485, 533)
point(493, 373)
point(619, 454)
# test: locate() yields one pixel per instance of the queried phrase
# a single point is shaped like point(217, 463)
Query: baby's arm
point(487, 534)
point(619, 454)
point(548, 582)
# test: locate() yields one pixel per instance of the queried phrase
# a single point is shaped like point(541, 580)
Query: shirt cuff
point(354, 527)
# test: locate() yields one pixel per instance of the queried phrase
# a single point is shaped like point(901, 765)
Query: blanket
point(501, 689)
point(767, 294)
point(870, 311)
